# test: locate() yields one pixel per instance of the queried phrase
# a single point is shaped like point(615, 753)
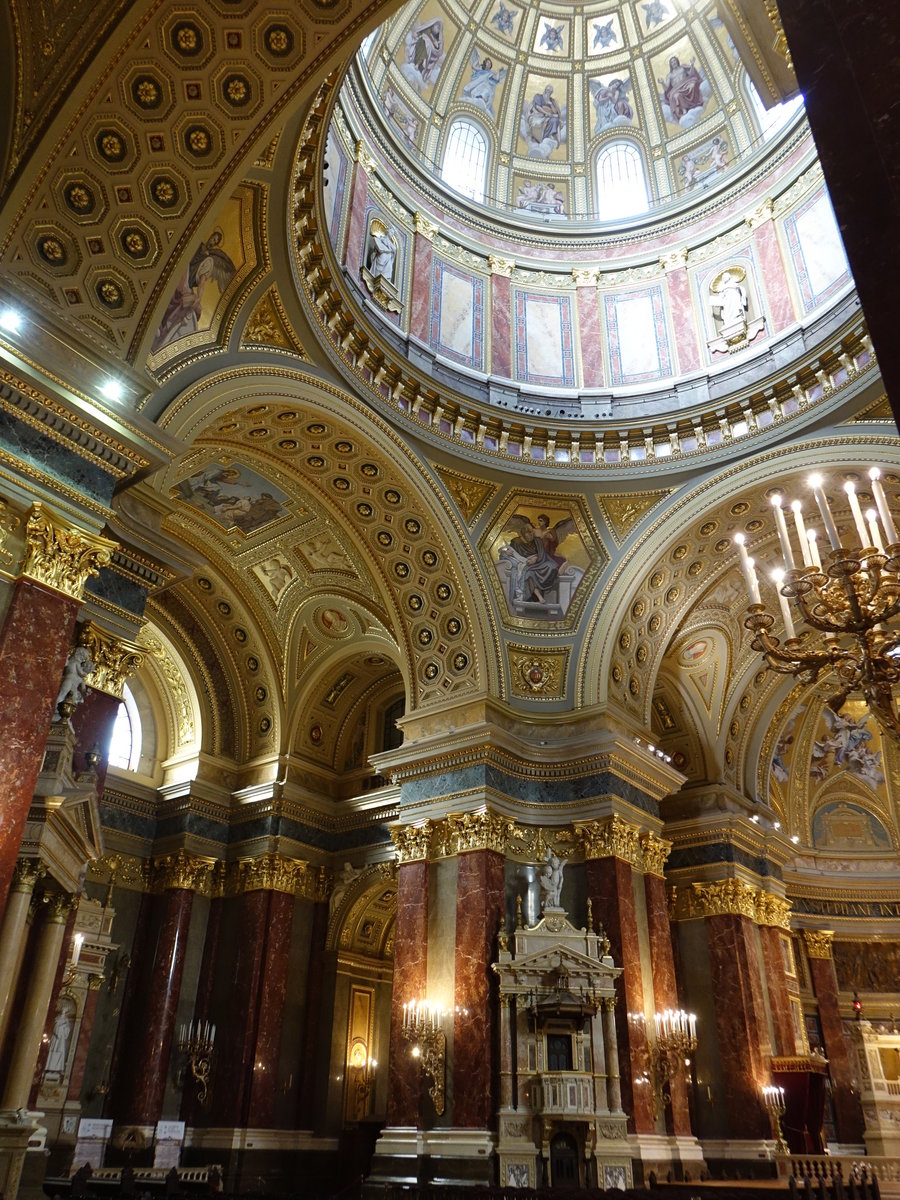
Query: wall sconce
point(361, 1071)
point(423, 1026)
point(774, 1098)
point(676, 1040)
point(197, 1045)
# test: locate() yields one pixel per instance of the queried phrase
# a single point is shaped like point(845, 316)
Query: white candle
point(815, 482)
point(881, 504)
point(781, 526)
point(778, 576)
point(874, 531)
point(850, 489)
point(747, 568)
point(814, 549)
point(797, 510)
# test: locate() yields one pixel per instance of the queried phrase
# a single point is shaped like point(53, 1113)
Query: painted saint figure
point(542, 124)
point(210, 265)
point(424, 53)
point(532, 556)
point(604, 35)
point(611, 102)
point(552, 37)
point(681, 90)
point(484, 82)
point(504, 19)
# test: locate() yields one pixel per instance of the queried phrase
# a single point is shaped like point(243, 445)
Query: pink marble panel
point(410, 978)
point(681, 305)
point(191, 1108)
point(776, 983)
point(421, 289)
point(356, 231)
point(665, 988)
point(591, 337)
point(479, 913)
point(271, 1011)
point(501, 326)
point(847, 1113)
point(771, 264)
point(610, 889)
point(34, 645)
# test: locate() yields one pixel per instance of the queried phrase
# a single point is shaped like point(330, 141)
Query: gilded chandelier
point(849, 597)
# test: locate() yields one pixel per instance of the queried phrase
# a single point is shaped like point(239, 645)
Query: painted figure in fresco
point(552, 37)
point(846, 747)
point(543, 124)
point(398, 112)
point(424, 53)
point(535, 196)
point(655, 13)
point(604, 35)
point(532, 555)
point(382, 253)
point(681, 90)
point(611, 102)
point(718, 153)
point(503, 18)
point(484, 82)
point(209, 265)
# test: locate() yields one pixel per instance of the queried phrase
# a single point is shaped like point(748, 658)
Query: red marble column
point(771, 266)
point(62, 961)
point(610, 889)
point(93, 722)
point(420, 308)
point(34, 644)
point(681, 306)
point(79, 1059)
point(306, 1104)
point(273, 993)
point(192, 1111)
point(665, 988)
point(410, 978)
point(480, 893)
point(156, 979)
point(847, 1112)
point(743, 1038)
point(590, 337)
point(356, 230)
point(501, 326)
point(776, 983)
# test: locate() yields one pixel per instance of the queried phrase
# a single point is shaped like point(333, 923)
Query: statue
point(730, 303)
point(382, 253)
point(551, 879)
point(73, 688)
point(341, 884)
point(58, 1052)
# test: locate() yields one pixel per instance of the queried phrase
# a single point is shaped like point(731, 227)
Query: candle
point(781, 526)
point(850, 489)
point(874, 531)
point(778, 576)
point(747, 568)
point(887, 520)
point(797, 510)
point(814, 549)
point(815, 482)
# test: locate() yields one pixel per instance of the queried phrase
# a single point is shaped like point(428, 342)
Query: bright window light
point(112, 390)
point(465, 160)
point(621, 182)
point(10, 320)
point(125, 747)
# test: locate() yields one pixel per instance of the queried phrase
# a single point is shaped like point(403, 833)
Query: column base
point(745, 1158)
point(440, 1156)
point(666, 1154)
point(20, 1131)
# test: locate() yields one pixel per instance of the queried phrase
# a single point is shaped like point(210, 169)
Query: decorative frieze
point(726, 897)
point(773, 910)
point(819, 942)
point(611, 837)
point(482, 830)
point(60, 557)
point(271, 873)
point(115, 659)
point(183, 872)
point(413, 842)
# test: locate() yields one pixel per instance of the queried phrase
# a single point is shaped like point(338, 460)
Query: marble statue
point(551, 880)
point(73, 688)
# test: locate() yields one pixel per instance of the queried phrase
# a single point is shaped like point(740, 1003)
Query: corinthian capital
point(114, 659)
point(61, 557)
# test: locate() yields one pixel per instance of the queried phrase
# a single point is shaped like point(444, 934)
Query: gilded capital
point(762, 213)
point(674, 259)
point(609, 1003)
point(413, 842)
point(655, 851)
point(427, 228)
point(818, 942)
point(275, 873)
point(26, 874)
point(773, 910)
point(60, 557)
point(181, 872)
point(611, 837)
point(364, 157)
point(59, 905)
point(115, 659)
point(501, 266)
point(483, 830)
point(586, 276)
point(727, 897)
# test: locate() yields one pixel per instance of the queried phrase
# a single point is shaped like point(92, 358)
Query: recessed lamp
point(755, 818)
point(777, 825)
point(10, 320)
point(796, 839)
point(112, 390)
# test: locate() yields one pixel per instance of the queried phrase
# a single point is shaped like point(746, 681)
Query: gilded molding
point(501, 266)
point(60, 557)
point(818, 942)
point(726, 897)
point(182, 872)
point(611, 837)
point(773, 910)
point(426, 228)
point(413, 842)
point(483, 830)
point(655, 851)
point(115, 659)
point(272, 872)
point(27, 873)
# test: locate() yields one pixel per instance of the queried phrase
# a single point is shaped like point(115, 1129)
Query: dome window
point(465, 160)
point(621, 182)
point(125, 746)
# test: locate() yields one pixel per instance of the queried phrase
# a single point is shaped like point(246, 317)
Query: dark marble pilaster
point(306, 1106)
point(80, 1056)
point(273, 993)
point(665, 988)
point(847, 1112)
point(410, 978)
point(776, 984)
point(479, 912)
point(609, 886)
point(93, 722)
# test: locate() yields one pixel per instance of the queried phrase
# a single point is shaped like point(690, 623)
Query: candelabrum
point(423, 1026)
point(849, 598)
point(361, 1067)
point(676, 1040)
point(196, 1043)
point(774, 1098)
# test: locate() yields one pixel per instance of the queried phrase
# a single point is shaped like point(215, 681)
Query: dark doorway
point(559, 1052)
point(564, 1161)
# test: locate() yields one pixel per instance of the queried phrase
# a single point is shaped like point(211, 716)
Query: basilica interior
point(413, 769)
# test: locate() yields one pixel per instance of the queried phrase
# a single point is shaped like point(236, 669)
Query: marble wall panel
point(774, 274)
point(816, 251)
point(501, 326)
point(544, 339)
point(410, 980)
point(456, 328)
point(681, 306)
point(637, 336)
point(776, 985)
point(356, 230)
point(590, 337)
point(421, 288)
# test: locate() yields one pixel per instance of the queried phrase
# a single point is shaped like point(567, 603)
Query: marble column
point(847, 1112)
point(501, 318)
point(273, 994)
point(34, 645)
point(420, 307)
point(62, 961)
point(611, 1046)
point(410, 979)
point(13, 932)
point(480, 898)
point(154, 988)
point(86, 1029)
point(610, 888)
point(665, 988)
point(776, 984)
point(27, 1043)
point(306, 1104)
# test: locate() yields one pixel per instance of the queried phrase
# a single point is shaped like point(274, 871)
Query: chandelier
point(849, 593)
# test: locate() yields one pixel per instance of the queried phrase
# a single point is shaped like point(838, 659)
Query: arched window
point(125, 746)
point(772, 120)
point(621, 182)
point(465, 160)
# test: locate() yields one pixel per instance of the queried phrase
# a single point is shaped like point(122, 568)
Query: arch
point(620, 177)
point(465, 159)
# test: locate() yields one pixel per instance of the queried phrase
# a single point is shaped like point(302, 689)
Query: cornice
point(730, 897)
